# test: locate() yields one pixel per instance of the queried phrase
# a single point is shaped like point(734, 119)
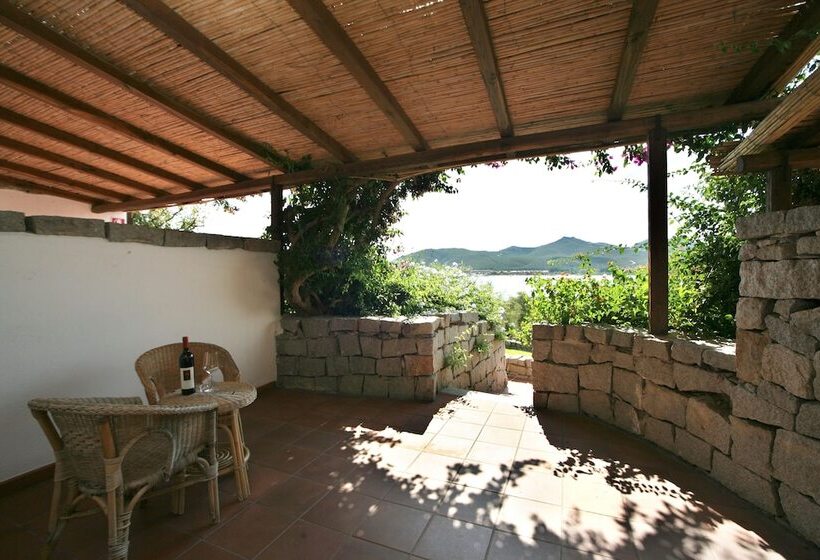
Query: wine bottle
point(186, 368)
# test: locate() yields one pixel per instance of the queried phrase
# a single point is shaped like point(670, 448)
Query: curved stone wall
point(748, 414)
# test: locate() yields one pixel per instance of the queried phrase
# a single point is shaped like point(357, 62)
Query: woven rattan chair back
point(158, 369)
point(114, 450)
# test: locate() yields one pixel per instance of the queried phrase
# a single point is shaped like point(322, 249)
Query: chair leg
point(178, 496)
point(213, 498)
point(56, 504)
point(243, 487)
point(119, 525)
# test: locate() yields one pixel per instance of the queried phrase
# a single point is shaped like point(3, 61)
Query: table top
point(230, 395)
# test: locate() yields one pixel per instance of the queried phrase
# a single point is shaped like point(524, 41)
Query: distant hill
point(558, 256)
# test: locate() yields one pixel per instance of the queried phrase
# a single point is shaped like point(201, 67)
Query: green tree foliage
point(180, 218)
point(335, 242)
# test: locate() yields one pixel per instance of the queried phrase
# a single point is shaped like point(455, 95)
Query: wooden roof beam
point(478, 28)
point(538, 144)
point(15, 19)
point(33, 125)
point(88, 112)
point(54, 178)
point(640, 19)
point(48, 155)
point(327, 29)
point(177, 28)
point(796, 107)
point(773, 64)
point(37, 188)
point(808, 158)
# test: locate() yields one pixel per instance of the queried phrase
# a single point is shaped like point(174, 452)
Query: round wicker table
point(230, 396)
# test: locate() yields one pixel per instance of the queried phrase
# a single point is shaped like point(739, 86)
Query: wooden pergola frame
point(625, 122)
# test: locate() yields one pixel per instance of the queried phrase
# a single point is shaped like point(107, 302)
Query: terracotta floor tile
point(159, 543)
point(508, 546)
point(418, 492)
point(483, 476)
point(449, 446)
point(398, 457)
point(536, 484)
point(287, 459)
point(251, 530)
point(491, 453)
point(371, 481)
point(471, 505)
point(294, 496)
point(510, 422)
point(17, 543)
point(451, 539)
point(319, 440)
point(439, 467)
point(205, 551)
point(531, 519)
point(600, 534)
point(341, 511)
point(393, 526)
point(500, 436)
point(592, 496)
point(326, 469)
point(471, 415)
point(358, 549)
point(457, 428)
point(260, 477)
point(304, 541)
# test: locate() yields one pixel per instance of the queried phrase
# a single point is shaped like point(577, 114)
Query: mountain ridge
point(557, 256)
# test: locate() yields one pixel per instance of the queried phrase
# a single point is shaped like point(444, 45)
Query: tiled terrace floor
point(473, 477)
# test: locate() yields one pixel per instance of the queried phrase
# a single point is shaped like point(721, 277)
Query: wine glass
point(211, 364)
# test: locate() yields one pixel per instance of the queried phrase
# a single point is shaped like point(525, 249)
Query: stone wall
point(747, 414)
point(396, 358)
point(519, 368)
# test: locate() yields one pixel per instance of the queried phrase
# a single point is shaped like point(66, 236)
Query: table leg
point(243, 487)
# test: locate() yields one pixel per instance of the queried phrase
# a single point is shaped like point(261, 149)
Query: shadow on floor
point(475, 476)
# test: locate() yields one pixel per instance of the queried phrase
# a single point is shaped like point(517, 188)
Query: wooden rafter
point(776, 60)
point(37, 188)
point(88, 112)
point(177, 28)
point(807, 158)
point(59, 179)
point(33, 125)
point(640, 19)
point(479, 30)
point(15, 19)
point(47, 155)
point(539, 144)
point(797, 106)
point(327, 29)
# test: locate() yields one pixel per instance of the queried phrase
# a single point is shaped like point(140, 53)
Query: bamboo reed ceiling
point(183, 108)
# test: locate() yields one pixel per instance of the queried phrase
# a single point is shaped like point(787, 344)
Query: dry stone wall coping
point(17, 222)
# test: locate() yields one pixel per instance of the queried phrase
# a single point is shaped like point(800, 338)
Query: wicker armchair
point(114, 451)
point(158, 370)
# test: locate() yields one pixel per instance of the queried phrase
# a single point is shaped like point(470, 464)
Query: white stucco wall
point(76, 312)
point(45, 205)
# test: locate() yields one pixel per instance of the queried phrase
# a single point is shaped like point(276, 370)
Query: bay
point(508, 285)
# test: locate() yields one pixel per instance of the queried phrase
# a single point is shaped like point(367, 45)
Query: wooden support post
point(277, 205)
point(658, 232)
point(778, 188)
